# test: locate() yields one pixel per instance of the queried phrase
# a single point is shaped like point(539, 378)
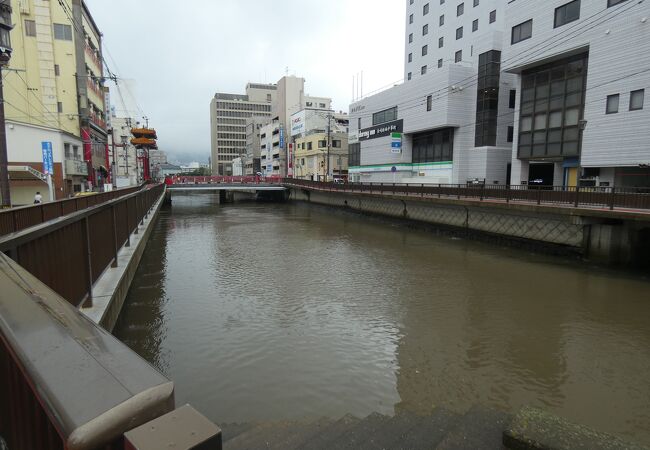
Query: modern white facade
point(582, 71)
point(453, 109)
point(273, 155)
point(124, 159)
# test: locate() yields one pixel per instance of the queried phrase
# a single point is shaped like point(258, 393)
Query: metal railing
point(17, 219)
point(178, 180)
point(69, 254)
point(592, 197)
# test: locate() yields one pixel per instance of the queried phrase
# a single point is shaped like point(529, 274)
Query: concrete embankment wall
point(111, 289)
point(598, 236)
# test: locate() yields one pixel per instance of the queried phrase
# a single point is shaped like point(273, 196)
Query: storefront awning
point(25, 173)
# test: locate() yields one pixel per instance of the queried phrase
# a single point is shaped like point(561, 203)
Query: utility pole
point(329, 144)
point(5, 56)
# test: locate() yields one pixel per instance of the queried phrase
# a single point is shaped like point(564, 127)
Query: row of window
point(459, 31)
point(458, 57)
point(62, 32)
point(567, 13)
point(636, 101)
point(224, 120)
point(240, 106)
point(387, 115)
point(460, 9)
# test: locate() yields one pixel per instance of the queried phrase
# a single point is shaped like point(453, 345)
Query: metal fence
point(601, 197)
point(176, 180)
point(71, 253)
point(17, 219)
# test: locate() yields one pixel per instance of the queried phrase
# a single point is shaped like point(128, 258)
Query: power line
point(583, 26)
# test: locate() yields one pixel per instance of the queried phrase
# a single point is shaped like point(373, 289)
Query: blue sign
point(281, 137)
point(269, 168)
point(48, 159)
point(393, 169)
point(396, 144)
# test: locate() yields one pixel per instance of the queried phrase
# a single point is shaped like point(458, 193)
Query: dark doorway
point(541, 174)
point(508, 174)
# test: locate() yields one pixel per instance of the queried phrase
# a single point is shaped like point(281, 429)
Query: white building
point(273, 156)
point(122, 154)
point(452, 115)
point(581, 68)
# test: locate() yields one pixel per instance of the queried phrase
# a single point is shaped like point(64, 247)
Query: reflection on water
point(269, 312)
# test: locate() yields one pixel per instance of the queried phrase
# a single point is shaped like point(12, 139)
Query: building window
point(309, 146)
point(411, 1)
point(487, 105)
point(387, 115)
point(409, 76)
point(425, 9)
point(358, 125)
point(511, 134)
point(410, 57)
point(552, 101)
point(636, 99)
point(439, 63)
point(612, 103)
point(459, 33)
point(30, 27)
point(441, 42)
point(429, 102)
point(425, 30)
point(475, 25)
point(442, 2)
point(460, 9)
point(62, 32)
point(57, 70)
point(442, 20)
point(411, 18)
point(322, 144)
point(611, 3)
point(567, 13)
point(354, 155)
point(423, 70)
point(411, 38)
point(522, 31)
point(459, 56)
point(436, 146)
point(493, 16)
point(513, 99)
point(425, 50)
point(476, 3)
point(59, 107)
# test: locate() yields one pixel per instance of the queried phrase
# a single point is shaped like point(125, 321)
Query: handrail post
point(439, 190)
point(137, 220)
point(482, 191)
point(459, 187)
point(539, 195)
point(612, 198)
point(422, 187)
point(577, 194)
point(507, 194)
point(89, 265)
point(114, 228)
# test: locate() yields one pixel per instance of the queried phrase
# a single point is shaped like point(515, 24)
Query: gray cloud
point(176, 55)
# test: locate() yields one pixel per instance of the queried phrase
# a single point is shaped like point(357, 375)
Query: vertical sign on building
point(396, 143)
point(290, 171)
point(48, 159)
point(282, 138)
point(107, 109)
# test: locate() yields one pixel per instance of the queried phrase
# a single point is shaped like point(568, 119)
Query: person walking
point(38, 198)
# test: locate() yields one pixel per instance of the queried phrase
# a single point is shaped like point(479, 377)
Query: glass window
point(425, 30)
point(62, 32)
point(411, 18)
point(526, 123)
point(567, 13)
point(441, 42)
point(476, 3)
point(410, 57)
point(459, 33)
point(540, 121)
point(410, 38)
point(442, 20)
point(614, 2)
point(475, 25)
point(636, 99)
point(429, 102)
point(439, 63)
point(409, 76)
point(459, 56)
point(460, 9)
point(425, 10)
point(425, 50)
point(555, 119)
point(512, 101)
point(522, 31)
point(571, 116)
point(30, 28)
point(493, 16)
point(423, 70)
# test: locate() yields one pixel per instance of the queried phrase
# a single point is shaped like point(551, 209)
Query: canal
point(285, 311)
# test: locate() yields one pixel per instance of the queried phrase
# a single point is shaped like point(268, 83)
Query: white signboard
point(298, 121)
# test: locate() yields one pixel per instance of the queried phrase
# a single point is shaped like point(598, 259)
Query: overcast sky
point(175, 55)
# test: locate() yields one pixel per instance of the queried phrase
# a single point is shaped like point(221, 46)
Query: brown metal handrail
point(602, 197)
point(17, 219)
point(70, 253)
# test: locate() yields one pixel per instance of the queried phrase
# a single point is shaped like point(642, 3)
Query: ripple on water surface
point(263, 312)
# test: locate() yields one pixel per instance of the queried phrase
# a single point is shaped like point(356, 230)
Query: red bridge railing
point(181, 180)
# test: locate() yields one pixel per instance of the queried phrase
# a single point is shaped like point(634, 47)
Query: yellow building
point(310, 157)
point(53, 92)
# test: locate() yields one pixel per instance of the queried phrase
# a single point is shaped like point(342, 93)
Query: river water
point(286, 311)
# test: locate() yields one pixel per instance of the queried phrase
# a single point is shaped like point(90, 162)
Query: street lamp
point(5, 56)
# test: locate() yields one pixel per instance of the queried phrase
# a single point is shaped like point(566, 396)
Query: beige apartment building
point(53, 93)
point(228, 116)
point(310, 156)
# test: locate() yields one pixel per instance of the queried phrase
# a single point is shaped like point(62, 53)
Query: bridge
point(254, 183)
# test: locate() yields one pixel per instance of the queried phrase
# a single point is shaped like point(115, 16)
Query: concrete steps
point(478, 429)
point(441, 429)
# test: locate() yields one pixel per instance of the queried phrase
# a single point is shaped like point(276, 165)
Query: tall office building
point(228, 116)
point(452, 110)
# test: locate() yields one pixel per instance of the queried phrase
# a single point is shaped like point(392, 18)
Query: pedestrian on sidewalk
point(38, 198)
